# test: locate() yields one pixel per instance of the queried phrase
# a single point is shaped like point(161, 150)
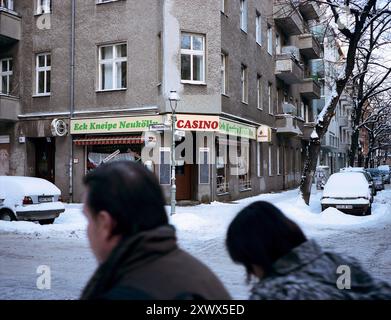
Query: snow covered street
point(201, 230)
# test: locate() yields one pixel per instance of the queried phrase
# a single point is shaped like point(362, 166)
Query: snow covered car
point(385, 171)
point(367, 176)
point(377, 177)
point(29, 199)
point(348, 192)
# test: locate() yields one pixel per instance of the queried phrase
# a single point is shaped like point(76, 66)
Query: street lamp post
point(173, 98)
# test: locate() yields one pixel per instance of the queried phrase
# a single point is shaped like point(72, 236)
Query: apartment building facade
point(86, 82)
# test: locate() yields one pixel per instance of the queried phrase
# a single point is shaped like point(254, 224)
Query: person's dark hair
point(261, 234)
point(130, 193)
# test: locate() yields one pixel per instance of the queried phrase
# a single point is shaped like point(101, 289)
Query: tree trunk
point(353, 147)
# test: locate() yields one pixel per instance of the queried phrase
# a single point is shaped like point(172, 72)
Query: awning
point(107, 140)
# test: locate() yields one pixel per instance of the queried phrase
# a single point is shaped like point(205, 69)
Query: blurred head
point(122, 199)
point(259, 235)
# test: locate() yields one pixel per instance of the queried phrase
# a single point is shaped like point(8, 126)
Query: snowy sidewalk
point(201, 231)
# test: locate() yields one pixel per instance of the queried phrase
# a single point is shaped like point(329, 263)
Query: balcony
point(9, 108)
point(288, 69)
point(310, 89)
point(287, 123)
point(309, 46)
point(343, 121)
point(10, 26)
point(308, 129)
point(287, 18)
point(310, 10)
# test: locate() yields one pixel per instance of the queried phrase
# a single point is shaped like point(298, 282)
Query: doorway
point(45, 158)
point(183, 175)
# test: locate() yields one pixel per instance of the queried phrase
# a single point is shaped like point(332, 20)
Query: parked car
point(367, 176)
point(378, 179)
point(30, 199)
point(385, 171)
point(348, 192)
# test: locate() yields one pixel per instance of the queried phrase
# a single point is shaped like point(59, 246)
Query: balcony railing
point(309, 46)
point(287, 122)
point(287, 17)
point(10, 26)
point(310, 89)
point(9, 108)
point(288, 68)
point(310, 10)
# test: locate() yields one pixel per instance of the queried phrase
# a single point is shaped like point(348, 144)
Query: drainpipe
point(72, 94)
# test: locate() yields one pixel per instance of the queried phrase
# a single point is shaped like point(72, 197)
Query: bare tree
point(361, 14)
point(371, 76)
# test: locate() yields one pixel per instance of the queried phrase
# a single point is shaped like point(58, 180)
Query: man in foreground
point(136, 248)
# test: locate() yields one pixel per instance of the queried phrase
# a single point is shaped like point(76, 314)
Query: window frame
point(113, 61)
point(244, 15)
point(224, 74)
point(270, 98)
point(258, 28)
point(42, 5)
point(269, 39)
point(193, 53)
point(259, 92)
point(244, 83)
point(8, 74)
point(44, 69)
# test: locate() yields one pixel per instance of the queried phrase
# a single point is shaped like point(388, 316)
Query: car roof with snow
point(27, 185)
point(346, 184)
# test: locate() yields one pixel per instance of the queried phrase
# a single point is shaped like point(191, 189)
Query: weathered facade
point(89, 79)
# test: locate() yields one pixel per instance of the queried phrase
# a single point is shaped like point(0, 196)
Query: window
point(113, 67)
point(270, 161)
point(244, 80)
point(269, 40)
point(259, 160)
point(222, 185)
point(301, 110)
point(223, 6)
point(270, 97)
point(104, 1)
point(5, 76)
point(8, 4)
point(258, 28)
point(204, 166)
point(44, 6)
point(278, 44)
point(278, 161)
point(43, 70)
point(244, 165)
point(193, 58)
point(224, 74)
point(165, 166)
point(259, 92)
point(243, 15)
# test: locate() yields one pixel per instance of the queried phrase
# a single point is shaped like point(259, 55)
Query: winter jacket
point(150, 266)
point(309, 273)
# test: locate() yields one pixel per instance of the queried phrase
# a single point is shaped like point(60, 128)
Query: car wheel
point(7, 215)
point(46, 221)
point(369, 211)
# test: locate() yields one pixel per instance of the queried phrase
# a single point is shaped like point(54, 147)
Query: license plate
point(344, 206)
point(45, 199)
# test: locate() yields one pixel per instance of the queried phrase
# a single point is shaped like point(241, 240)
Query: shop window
point(99, 154)
point(165, 166)
point(204, 166)
point(222, 185)
point(244, 166)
